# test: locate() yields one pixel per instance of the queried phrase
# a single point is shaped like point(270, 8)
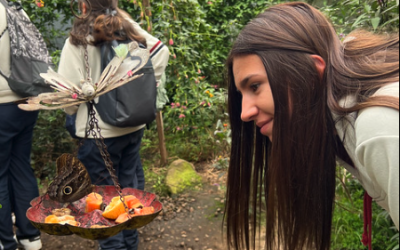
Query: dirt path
point(194, 222)
point(190, 222)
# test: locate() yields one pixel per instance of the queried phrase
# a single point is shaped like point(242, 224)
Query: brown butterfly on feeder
point(72, 181)
point(128, 60)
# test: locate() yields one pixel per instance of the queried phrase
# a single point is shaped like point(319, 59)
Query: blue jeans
point(124, 153)
point(18, 184)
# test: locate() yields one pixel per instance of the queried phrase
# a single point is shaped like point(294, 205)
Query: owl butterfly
point(72, 181)
point(128, 60)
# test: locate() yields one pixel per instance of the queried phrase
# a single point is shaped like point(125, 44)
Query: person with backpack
point(18, 185)
point(103, 22)
point(301, 100)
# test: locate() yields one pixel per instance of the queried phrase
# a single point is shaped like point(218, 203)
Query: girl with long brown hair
point(101, 21)
point(299, 100)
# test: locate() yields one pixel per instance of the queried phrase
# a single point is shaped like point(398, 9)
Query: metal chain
point(95, 131)
point(86, 56)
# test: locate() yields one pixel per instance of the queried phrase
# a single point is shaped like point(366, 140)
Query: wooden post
point(161, 138)
point(146, 5)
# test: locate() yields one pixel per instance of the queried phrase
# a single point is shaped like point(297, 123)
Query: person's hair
point(292, 178)
point(104, 21)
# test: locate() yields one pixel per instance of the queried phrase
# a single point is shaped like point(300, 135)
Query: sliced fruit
point(144, 211)
point(61, 211)
point(51, 219)
point(93, 201)
point(115, 208)
point(123, 217)
point(132, 202)
point(59, 219)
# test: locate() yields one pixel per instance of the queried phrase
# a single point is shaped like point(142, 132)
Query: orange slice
point(59, 219)
point(116, 207)
point(51, 219)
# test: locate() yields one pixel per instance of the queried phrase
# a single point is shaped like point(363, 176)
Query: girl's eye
point(254, 87)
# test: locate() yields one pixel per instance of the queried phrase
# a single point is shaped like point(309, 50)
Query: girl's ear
point(320, 65)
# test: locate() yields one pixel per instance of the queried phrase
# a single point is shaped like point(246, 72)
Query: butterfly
point(128, 60)
point(72, 181)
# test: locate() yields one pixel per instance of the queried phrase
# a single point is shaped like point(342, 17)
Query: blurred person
point(102, 21)
point(18, 185)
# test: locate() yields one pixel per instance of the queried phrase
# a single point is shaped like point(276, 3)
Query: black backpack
point(132, 104)
point(29, 54)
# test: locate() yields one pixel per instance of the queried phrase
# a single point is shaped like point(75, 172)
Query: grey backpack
point(29, 54)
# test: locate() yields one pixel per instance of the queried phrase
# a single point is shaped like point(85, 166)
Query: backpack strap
point(5, 6)
point(4, 31)
point(8, 5)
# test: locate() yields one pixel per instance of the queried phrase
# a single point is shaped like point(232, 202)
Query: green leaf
point(359, 20)
point(121, 51)
point(375, 22)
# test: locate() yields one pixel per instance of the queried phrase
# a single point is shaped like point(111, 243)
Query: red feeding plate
point(43, 205)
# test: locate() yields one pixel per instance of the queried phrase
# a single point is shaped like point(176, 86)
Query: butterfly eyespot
point(68, 190)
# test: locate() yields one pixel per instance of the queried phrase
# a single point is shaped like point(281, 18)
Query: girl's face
point(251, 81)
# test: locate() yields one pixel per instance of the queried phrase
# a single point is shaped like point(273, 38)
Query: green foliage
point(348, 221)
point(374, 15)
point(156, 178)
point(50, 140)
point(49, 18)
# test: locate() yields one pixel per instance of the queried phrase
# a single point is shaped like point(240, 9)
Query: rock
point(181, 176)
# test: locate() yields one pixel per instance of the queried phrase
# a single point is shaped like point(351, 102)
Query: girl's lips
point(265, 127)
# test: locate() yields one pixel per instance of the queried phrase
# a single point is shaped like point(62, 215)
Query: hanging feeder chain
point(95, 131)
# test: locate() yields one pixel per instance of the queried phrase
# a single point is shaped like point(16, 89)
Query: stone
point(181, 176)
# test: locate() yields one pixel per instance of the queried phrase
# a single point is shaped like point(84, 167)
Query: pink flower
point(74, 96)
point(178, 128)
point(202, 103)
point(199, 71)
point(130, 73)
point(171, 42)
point(184, 107)
point(39, 3)
point(174, 56)
point(181, 116)
point(178, 104)
point(209, 104)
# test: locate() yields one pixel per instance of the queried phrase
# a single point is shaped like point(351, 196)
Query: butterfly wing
point(72, 181)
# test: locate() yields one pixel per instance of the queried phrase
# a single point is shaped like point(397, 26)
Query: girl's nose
point(249, 110)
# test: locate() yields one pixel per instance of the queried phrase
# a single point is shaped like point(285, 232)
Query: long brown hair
point(105, 22)
point(294, 175)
